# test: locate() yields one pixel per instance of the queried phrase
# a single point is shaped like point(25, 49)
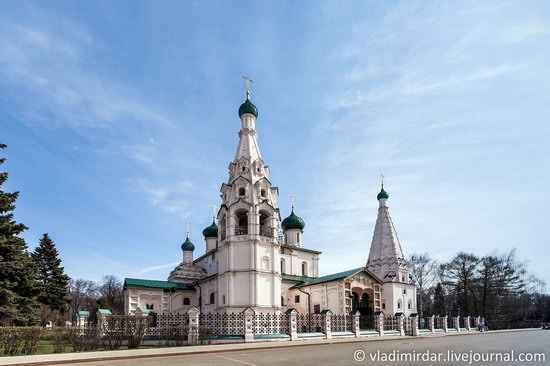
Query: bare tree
point(459, 275)
point(82, 295)
point(111, 294)
point(424, 271)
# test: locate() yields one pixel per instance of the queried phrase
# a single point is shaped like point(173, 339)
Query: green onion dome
point(248, 107)
point(382, 194)
point(211, 231)
point(293, 222)
point(187, 245)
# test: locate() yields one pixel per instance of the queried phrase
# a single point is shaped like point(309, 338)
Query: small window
point(242, 192)
point(223, 299)
point(317, 309)
point(149, 306)
point(383, 305)
point(404, 291)
point(186, 301)
point(244, 169)
point(402, 278)
point(213, 256)
point(304, 269)
point(282, 266)
point(263, 193)
point(409, 305)
point(399, 304)
point(298, 237)
point(282, 301)
point(212, 298)
point(297, 299)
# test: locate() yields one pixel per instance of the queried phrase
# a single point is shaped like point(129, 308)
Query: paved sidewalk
point(65, 358)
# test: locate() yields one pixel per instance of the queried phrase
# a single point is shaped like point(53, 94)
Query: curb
point(17, 360)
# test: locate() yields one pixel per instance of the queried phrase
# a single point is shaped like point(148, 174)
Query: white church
point(253, 259)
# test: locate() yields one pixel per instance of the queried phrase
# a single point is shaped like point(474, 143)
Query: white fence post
point(249, 324)
point(468, 327)
point(327, 326)
point(414, 324)
point(381, 324)
point(356, 318)
point(432, 323)
point(445, 329)
point(292, 323)
point(193, 331)
point(401, 325)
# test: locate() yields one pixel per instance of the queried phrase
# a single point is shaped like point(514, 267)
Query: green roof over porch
point(165, 285)
point(308, 281)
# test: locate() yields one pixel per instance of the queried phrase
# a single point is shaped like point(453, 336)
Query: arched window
point(282, 266)
point(263, 193)
point(186, 301)
point(282, 301)
point(304, 269)
point(399, 304)
point(242, 223)
point(265, 230)
point(212, 298)
point(222, 228)
point(409, 305)
point(242, 192)
point(298, 237)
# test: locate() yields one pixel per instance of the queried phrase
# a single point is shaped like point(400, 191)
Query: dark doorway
point(361, 304)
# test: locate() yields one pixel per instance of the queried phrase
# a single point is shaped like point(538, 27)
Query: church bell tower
point(249, 224)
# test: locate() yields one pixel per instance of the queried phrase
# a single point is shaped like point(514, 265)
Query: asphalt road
point(343, 353)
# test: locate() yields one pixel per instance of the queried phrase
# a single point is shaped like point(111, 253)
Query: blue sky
point(121, 120)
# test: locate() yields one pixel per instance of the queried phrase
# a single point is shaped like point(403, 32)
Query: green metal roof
point(187, 245)
point(289, 277)
point(154, 284)
point(104, 311)
point(143, 310)
point(211, 231)
point(248, 107)
point(83, 313)
point(382, 194)
point(293, 222)
point(308, 281)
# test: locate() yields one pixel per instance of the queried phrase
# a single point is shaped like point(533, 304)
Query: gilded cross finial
point(187, 227)
point(247, 80)
point(382, 179)
point(293, 200)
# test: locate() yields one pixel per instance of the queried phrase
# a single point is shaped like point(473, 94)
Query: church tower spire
point(386, 258)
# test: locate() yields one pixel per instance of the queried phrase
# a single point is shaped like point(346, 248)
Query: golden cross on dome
point(187, 227)
point(293, 199)
point(382, 179)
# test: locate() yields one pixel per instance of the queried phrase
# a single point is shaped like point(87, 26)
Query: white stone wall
point(135, 297)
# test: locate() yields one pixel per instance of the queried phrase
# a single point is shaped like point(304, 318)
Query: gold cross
point(293, 199)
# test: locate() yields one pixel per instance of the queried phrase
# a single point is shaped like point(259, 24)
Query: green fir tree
point(51, 279)
point(18, 303)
